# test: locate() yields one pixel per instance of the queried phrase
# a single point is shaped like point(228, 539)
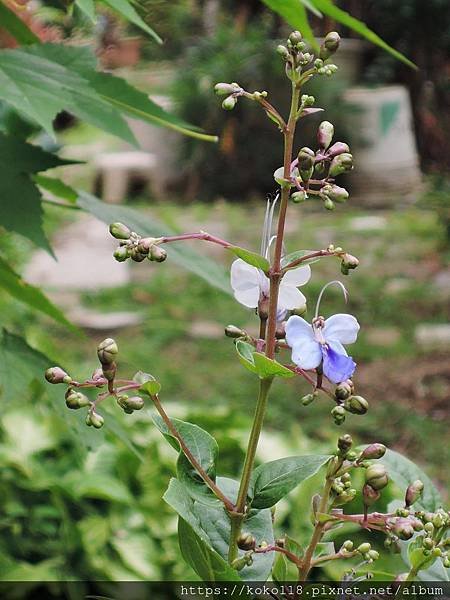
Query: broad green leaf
point(251, 258)
point(14, 285)
point(204, 449)
point(412, 555)
point(245, 353)
point(289, 258)
point(20, 199)
point(125, 8)
point(42, 80)
point(80, 484)
point(15, 26)
point(138, 552)
point(274, 480)
point(56, 187)
point(279, 570)
point(88, 7)
point(289, 10)
point(267, 367)
point(294, 546)
point(146, 225)
point(403, 472)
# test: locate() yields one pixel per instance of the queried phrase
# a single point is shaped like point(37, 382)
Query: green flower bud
point(340, 164)
point(356, 405)
point(345, 442)
point(97, 420)
point(349, 261)
point(428, 543)
point(135, 403)
point(224, 89)
point(438, 520)
point(338, 148)
point(318, 63)
point(446, 563)
point(437, 552)
point(306, 400)
point(306, 158)
point(120, 231)
point(157, 254)
point(374, 451)
point(57, 375)
point(338, 414)
point(229, 103)
point(121, 254)
point(370, 496)
point(107, 351)
point(343, 391)
point(71, 397)
point(232, 331)
point(336, 193)
point(298, 197)
point(364, 548)
point(376, 476)
point(348, 545)
point(373, 555)
point(329, 45)
point(345, 496)
point(145, 245)
point(88, 420)
point(295, 38)
point(136, 255)
point(283, 52)
point(413, 492)
point(307, 101)
point(429, 527)
point(325, 134)
point(328, 204)
point(246, 541)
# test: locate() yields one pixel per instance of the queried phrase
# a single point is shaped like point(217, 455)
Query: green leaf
point(125, 8)
point(201, 265)
point(56, 187)
point(258, 363)
point(204, 449)
point(151, 388)
point(88, 7)
point(324, 549)
point(289, 258)
point(274, 480)
point(279, 570)
point(20, 199)
point(80, 484)
point(12, 283)
point(44, 79)
point(15, 26)
point(402, 472)
point(251, 258)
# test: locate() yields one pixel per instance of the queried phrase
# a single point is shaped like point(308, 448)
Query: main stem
point(275, 275)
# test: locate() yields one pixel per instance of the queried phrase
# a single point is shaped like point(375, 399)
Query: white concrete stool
point(116, 170)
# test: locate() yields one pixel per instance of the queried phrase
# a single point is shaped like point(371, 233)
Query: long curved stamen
point(322, 291)
point(267, 237)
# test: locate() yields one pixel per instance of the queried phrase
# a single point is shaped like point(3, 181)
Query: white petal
point(290, 297)
point(337, 347)
point(298, 331)
point(298, 276)
point(243, 275)
point(307, 355)
point(249, 297)
point(342, 328)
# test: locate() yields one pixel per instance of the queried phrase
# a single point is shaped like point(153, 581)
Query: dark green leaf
point(251, 258)
point(125, 8)
point(56, 187)
point(20, 199)
point(12, 283)
point(294, 546)
point(403, 472)
point(15, 26)
point(201, 265)
point(44, 79)
point(274, 480)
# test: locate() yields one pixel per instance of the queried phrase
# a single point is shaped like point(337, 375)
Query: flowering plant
point(226, 527)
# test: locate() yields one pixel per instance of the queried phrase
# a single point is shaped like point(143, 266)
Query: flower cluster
point(134, 246)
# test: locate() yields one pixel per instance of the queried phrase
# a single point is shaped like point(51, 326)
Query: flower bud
point(223, 89)
point(107, 351)
point(121, 254)
point(413, 492)
point(325, 134)
point(428, 543)
point(136, 255)
point(328, 204)
point(376, 476)
point(135, 403)
point(343, 391)
point(157, 254)
point(374, 451)
point(97, 420)
point(338, 148)
point(75, 400)
point(345, 496)
point(373, 555)
point(306, 158)
point(329, 45)
point(229, 103)
point(340, 164)
point(336, 193)
point(348, 545)
point(283, 52)
point(306, 400)
point(356, 405)
point(295, 38)
point(298, 197)
point(370, 496)
point(232, 331)
point(145, 245)
point(120, 231)
point(364, 548)
point(345, 442)
point(349, 261)
point(246, 541)
point(57, 375)
point(338, 414)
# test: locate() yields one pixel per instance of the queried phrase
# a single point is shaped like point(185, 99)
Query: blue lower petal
point(337, 367)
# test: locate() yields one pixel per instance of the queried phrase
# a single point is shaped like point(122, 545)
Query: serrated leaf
point(274, 480)
point(56, 187)
point(252, 258)
point(289, 258)
point(146, 225)
point(126, 9)
point(15, 26)
point(20, 199)
point(44, 79)
point(402, 472)
point(267, 367)
point(14, 285)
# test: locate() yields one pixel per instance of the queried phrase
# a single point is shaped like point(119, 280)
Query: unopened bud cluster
point(134, 246)
point(347, 402)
